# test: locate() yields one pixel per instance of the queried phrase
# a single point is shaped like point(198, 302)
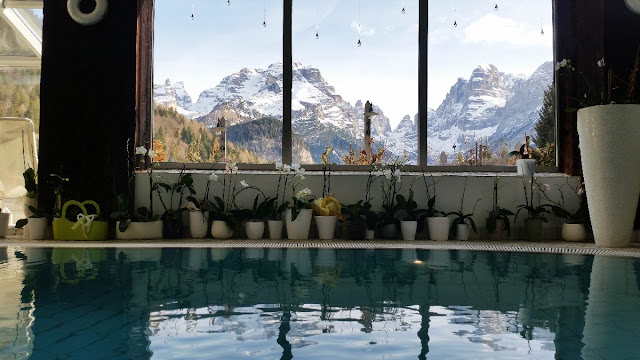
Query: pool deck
point(559, 247)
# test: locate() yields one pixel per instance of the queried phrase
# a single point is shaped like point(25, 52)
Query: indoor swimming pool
point(307, 303)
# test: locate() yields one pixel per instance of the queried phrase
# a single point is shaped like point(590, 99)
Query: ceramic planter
point(534, 230)
point(198, 224)
point(574, 232)
point(499, 233)
point(526, 167)
point(352, 230)
point(220, 230)
point(408, 229)
point(172, 229)
point(369, 234)
point(38, 228)
point(298, 229)
point(439, 228)
point(462, 232)
point(275, 229)
point(326, 226)
point(254, 229)
point(388, 231)
point(140, 230)
point(608, 145)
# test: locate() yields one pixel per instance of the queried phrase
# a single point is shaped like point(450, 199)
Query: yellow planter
point(86, 228)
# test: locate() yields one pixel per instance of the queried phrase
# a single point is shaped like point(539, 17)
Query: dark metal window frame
point(144, 95)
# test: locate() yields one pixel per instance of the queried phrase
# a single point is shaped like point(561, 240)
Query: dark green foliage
point(546, 126)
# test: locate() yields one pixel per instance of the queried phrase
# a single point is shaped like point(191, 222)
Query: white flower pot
point(254, 229)
point(4, 224)
point(140, 230)
point(438, 228)
point(326, 226)
point(526, 167)
point(574, 232)
point(299, 228)
point(462, 232)
point(369, 234)
point(26, 202)
point(220, 230)
point(408, 229)
point(38, 228)
point(608, 146)
point(198, 224)
point(275, 229)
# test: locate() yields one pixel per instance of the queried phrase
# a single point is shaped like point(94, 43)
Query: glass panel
point(347, 53)
point(218, 81)
point(490, 65)
point(12, 43)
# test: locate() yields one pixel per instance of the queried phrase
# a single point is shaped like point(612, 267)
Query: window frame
point(144, 99)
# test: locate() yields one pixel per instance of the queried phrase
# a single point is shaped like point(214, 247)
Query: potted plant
point(288, 178)
point(525, 164)
point(172, 217)
point(359, 220)
point(409, 215)
point(608, 128)
point(574, 227)
point(462, 222)
point(140, 222)
point(37, 222)
point(200, 210)
point(390, 175)
point(31, 185)
point(254, 217)
point(4, 222)
point(535, 214)
point(327, 211)
point(498, 224)
point(437, 223)
point(298, 216)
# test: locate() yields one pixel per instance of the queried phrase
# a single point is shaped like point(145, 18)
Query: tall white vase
point(609, 147)
point(198, 224)
point(298, 229)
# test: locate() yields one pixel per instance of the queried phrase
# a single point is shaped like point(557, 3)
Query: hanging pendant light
point(402, 11)
point(264, 14)
point(495, 7)
point(193, 10)
point(359, 42)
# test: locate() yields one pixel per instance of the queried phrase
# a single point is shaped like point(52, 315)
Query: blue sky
point(222, 39)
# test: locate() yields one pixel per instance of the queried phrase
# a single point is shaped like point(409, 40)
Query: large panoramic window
point(217, 86)
point(345, 54)
point(440, 83)
point(490, 75)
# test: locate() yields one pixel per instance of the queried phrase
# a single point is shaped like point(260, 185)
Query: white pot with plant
point(254, 218)
point(409, 215)
point(298, 217)
point(574, 228)
point(498, 224)
point(390, 176)
point(137, 223)
point(437, 223)
point(463, 222)
point(608, 130)
point(525, 164)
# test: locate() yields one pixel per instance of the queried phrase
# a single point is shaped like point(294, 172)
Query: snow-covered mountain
point(490, 104)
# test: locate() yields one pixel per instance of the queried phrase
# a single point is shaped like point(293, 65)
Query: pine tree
point(545, 127)
point(160, 135)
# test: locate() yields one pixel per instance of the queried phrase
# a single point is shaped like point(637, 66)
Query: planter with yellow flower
point(326, 211)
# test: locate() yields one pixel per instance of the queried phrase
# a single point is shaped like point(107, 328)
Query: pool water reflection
point(315, 304)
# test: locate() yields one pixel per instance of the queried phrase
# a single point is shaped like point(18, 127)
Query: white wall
point(349, 187)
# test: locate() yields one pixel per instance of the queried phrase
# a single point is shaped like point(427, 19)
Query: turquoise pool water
point(315, 304)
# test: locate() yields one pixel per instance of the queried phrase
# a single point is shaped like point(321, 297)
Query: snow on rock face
point(489, 104)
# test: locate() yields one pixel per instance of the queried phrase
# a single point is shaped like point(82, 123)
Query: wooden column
point(87, 102)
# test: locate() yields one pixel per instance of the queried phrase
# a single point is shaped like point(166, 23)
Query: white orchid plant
point(289, 177)
point(124, 214)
